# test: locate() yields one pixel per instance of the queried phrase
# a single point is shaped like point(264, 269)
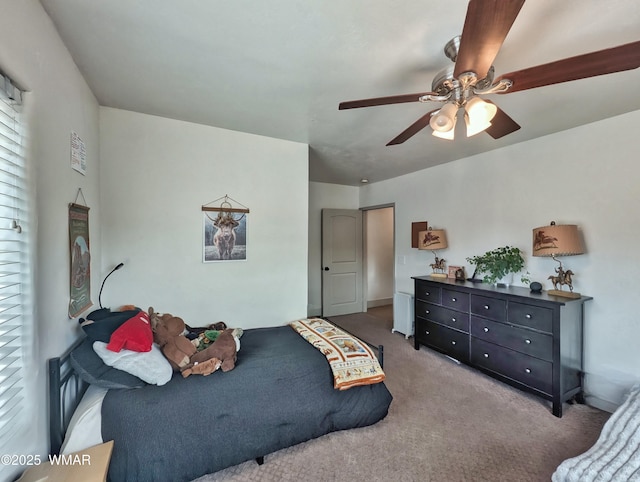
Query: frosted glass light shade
point(478, 115)
point(445, 119)
point(449, 135)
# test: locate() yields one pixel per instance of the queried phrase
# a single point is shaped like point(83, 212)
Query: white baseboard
point(601, 404)
point(608, 391)
point(381, 302)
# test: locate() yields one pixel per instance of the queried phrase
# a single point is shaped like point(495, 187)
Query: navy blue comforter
point(279, 394)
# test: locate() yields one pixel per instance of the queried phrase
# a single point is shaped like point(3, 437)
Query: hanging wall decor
point(78, 154)
point(224, 231)
point(80, 272)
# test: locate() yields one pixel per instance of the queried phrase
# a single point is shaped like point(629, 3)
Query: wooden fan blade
point(413, 129)
point(394, 99)
point(607, 61)
point(487, 24)
point(501, 124)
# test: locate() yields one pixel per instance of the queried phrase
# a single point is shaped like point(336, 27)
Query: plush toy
point(205, 339)
point(195, 332)
point(205, 368)
point(168, 334)
point(225, 348)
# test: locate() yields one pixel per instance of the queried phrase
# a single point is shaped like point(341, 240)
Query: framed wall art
point(224, 231)
point(80, 255)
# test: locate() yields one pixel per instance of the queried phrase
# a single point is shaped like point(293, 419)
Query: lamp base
point(438, 275)
point(565, 294)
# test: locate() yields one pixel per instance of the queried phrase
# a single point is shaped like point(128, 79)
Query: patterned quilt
point(351, 360)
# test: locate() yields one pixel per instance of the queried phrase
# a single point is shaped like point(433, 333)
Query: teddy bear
point(168, 334)
point(205, 368)
point(225, 348)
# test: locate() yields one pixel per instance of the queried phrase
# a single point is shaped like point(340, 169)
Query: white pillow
point(85, 427)
point(151, 366)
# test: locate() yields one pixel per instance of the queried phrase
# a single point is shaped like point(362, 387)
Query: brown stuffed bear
point(168, 334)
point(205, 368)
point(224, 348)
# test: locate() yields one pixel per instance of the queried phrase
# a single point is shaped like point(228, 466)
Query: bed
point(280, 393)
point(615, 457)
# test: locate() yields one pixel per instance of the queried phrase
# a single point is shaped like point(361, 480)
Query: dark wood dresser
point(530, 341)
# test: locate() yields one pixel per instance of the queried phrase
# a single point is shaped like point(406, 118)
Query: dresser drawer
point(442, 315)
point(427, 292)
point(525, 369)
point(519, 339)
point(536, 317)
point(493, 308)
point(446, 340)
point(455, 299)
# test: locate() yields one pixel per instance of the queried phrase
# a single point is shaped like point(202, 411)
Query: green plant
point(499, 262)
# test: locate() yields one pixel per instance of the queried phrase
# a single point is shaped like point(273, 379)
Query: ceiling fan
point(486, 25)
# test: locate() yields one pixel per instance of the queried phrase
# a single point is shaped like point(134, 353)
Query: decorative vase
point(505, 281)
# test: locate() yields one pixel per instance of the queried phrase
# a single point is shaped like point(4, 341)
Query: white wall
point(586, 176)
point(379, 262)
point(156, 175)
point(58, 102)
point(323, 196)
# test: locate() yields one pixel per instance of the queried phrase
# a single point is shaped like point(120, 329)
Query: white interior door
point(341, 261)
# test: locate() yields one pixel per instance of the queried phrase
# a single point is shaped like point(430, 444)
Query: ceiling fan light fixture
point(444, 120)
point(478, 115)
point(449, 135)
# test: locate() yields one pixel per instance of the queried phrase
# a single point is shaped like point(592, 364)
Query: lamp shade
point(557, 240)
point(449, 135)
point(432, 239)
point(478, 115)
point(444, 120)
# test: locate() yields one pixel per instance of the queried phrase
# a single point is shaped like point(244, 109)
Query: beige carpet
point(447, 422)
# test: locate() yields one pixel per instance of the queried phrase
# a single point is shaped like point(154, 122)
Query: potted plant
point(498, 263)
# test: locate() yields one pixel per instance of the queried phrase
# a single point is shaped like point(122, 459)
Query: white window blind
point(13, 251)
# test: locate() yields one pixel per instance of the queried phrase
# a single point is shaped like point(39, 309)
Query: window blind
point(13, 250)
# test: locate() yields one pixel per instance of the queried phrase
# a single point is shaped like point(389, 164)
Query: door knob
point(326, 268)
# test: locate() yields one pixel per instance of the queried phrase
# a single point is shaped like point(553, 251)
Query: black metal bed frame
point(65, 392)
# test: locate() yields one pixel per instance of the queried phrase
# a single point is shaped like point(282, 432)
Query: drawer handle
point(427, 311)
point(426, 333)
point(486, 330)
point(528, 316)
point(486, 355)
point(527, 370)
point(427, 293)
point(453, 342)
point(486, 307)
point(528, 342)
point(453, 299)
point(453, 319)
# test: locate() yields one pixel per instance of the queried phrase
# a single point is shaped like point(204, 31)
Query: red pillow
point(134, 334)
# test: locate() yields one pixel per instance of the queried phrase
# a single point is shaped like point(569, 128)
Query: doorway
point(379, 265)
point(358, 249)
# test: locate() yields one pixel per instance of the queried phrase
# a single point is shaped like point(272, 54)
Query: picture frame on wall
point(224, 230)
point(224, 237)
point(80, 255)
point(415, 232)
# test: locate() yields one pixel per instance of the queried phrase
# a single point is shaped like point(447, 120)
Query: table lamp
point(434, 239)
point(558, 240)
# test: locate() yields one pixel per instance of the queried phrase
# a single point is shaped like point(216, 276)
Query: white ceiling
point(279, 68)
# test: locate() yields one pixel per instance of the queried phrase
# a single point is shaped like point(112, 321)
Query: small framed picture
point(452, 271)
